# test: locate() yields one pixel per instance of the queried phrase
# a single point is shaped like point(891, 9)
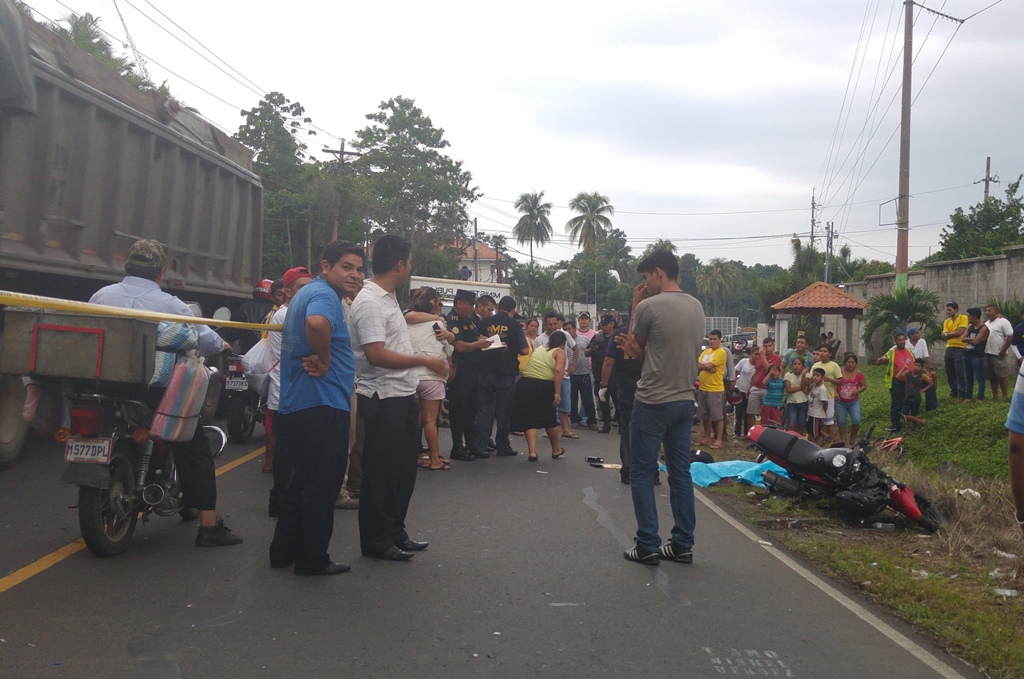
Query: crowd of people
point(359, 382)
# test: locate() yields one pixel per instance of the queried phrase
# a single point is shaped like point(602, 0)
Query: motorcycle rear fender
point(86, 474)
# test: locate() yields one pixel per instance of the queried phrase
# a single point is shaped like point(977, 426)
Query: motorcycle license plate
point(236, 384)
point(93, 451)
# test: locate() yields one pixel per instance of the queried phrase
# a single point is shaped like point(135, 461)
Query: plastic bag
point(258, 363)
point(177, 415)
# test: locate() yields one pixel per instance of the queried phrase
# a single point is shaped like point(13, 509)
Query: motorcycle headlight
point(839, 461)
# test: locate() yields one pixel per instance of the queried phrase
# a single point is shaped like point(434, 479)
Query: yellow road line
point(36, 567)
point(53, 558)
point(240, 461)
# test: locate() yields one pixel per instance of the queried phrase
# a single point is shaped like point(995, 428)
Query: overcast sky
point(700, 121)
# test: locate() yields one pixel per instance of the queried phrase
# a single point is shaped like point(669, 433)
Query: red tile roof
point(820, 297)
point(483, 251)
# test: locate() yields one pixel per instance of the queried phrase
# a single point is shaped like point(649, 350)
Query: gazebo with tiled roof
point(820, 298)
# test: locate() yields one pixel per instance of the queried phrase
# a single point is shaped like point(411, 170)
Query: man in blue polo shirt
point(317, 372)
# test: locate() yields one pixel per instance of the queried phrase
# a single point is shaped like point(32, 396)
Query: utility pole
point(341, 153)
point(814, 221)
point(988, 175)
point(830, 234)
point(476, 274)
point(903, 201)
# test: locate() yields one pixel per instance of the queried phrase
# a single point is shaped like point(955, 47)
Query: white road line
point(846, 602)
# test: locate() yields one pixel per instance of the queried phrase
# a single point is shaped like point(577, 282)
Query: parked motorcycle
point(122, 473)
point(860, 487)
point(244, 405)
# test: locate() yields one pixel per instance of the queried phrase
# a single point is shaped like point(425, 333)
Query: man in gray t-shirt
point(668, 326)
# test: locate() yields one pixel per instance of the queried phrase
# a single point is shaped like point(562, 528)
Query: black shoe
point(483, 454)
point(605, 429)
point(331, 569)
point(411, 545)
point(388, 554)
point(217, 536)
point(507, 453)
point(641, 555)
point(284, 563)
point(672, 552)
point(491, 447)
point(462, 455)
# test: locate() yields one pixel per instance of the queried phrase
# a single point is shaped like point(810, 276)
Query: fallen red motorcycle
point(860, 487)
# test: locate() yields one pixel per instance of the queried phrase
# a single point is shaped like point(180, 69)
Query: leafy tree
point(535, 224)
point(689, 265)
point(719, 280)
point(413, 189)
point(889, 313)
point(593, 222)
point(535, 288)
point(84, 32)
point(660, 244)
point(270, 130)
point(986, 228)
point(616, 254)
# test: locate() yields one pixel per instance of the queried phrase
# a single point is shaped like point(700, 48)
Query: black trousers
point(625, 396)
point(390, 450)
point(494, 399)
point(462, 407)
point(284, 466)
point(194, 462)
point(896, 394)
point(582, 390)
point(316, 439)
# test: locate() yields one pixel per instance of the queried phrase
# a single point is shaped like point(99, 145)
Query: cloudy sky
point(706, 123)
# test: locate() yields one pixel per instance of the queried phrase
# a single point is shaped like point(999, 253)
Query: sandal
point(423, 462)
point(532, 458)
point(570, 435)
point(561, 452)
point(445, 464)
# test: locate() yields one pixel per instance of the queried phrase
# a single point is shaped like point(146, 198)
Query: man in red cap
point(294, 279)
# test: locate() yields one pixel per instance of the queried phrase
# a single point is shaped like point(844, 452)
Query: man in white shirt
point(386, 388)
point(294, 279)
point(1000, 334)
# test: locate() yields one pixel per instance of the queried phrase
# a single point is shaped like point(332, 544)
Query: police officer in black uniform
point(462, 389)
point(620, 373)
point(497, 377)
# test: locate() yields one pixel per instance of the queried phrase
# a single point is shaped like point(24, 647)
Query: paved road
point(524, 578)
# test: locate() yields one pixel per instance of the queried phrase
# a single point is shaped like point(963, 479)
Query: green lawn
point(970, 436)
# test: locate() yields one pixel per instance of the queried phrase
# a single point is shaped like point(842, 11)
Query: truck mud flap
point(88, 475)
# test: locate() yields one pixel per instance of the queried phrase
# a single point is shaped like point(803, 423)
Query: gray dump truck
point(93, 164)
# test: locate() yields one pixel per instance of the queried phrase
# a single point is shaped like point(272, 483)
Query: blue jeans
point(650, 427)
point(847, 408)
point(974, 370)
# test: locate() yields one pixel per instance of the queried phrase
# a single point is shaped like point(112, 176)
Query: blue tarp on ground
point(705, 475)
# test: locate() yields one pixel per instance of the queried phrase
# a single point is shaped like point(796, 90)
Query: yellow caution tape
point(54, 304)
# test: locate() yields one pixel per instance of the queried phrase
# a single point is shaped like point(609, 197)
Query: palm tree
point(892, 313)
point(535, 224)
point(660, 244)
point(593, 222)
point(618, 255)
point(719, 280)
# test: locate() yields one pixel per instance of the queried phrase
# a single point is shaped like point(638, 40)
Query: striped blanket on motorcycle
point(186, 379)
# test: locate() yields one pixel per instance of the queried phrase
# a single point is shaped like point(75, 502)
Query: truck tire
point(241, 418)
point(107, 516)
point(13, 427)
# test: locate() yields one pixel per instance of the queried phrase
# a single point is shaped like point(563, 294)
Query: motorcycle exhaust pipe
point(782, 483)
point(153, 494)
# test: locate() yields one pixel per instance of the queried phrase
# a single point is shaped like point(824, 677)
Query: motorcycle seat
point(796, 450)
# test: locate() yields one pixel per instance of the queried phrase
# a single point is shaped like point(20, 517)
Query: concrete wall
point(968, 282)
